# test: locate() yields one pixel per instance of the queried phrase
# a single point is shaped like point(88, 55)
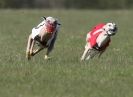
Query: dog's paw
point(28, 55)
point(46, 57)
point(81, 59)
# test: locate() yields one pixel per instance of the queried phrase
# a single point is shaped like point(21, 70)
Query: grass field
point(65, 75)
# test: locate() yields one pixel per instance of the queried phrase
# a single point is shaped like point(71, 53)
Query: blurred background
point(68, 4)
point(65, 75)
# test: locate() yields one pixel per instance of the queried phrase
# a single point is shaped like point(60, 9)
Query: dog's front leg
point(87, 47)
point(46, 56)
point(49, 49)
point(30, 40)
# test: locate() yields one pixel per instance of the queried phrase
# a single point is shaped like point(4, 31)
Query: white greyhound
point(44, 35)
point(98, 40)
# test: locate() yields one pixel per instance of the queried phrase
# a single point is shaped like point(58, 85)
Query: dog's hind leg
point(92, 53)
point(28, 54)
point(85, 52)
point(100, 53)
point(37, 51)
point(88, 55)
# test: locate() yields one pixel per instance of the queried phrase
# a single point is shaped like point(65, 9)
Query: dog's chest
point(102, 39)
point(47, 36)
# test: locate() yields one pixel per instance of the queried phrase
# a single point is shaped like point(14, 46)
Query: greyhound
point(44, 35)
point(98, 40)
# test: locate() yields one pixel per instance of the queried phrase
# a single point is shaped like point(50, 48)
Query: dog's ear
point(44, 18)
point(58, 23)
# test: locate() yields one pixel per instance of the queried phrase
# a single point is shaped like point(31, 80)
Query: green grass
point(64, 75)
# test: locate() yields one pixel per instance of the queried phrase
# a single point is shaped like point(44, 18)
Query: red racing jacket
point(94, 33)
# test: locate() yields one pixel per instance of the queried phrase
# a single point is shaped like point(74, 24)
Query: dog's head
point(51, 24)
point(110, 28)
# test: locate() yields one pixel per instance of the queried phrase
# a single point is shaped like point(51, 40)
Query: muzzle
point(113, 31)
point(50, 27)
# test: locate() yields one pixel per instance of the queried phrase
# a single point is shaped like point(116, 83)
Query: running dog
point(98, 40)
point(44, 35)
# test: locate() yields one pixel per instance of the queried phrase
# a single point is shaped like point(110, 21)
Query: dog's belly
point(102, 39)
